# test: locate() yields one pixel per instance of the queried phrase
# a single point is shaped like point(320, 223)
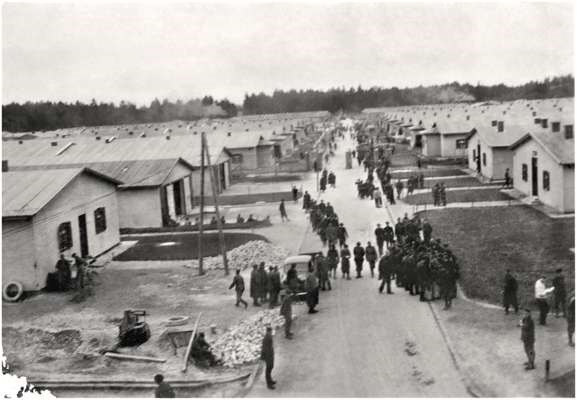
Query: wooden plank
point(134, 358)
point(189, 348)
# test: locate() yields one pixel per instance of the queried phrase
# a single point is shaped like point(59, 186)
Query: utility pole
point(201, 220)
point(215, 201)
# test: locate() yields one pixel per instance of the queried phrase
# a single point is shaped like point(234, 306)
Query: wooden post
point(201, 219)
point(215, 201)
point(189, 347)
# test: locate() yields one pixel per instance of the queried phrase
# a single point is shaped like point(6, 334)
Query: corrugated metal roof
point(24, 193)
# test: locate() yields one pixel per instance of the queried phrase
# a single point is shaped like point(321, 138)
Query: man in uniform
point(323, 271)
point(332, 261)
point(331, 233)
point(238, 285)
point(312, 289)
point(306, 200)
point(389, 234)
point(385, 269)
point(359, 254)
point(399, 230)
point(435, 191)
point(63, 271)
point(371, 256)
point(255, 285)
point(274, 280)
point(345, 263)
point(286, 312)
point(510, 293)
point(263, 282)
point(267, 355)
point(380, 238)
point(528, 338)
point(399, 186)
point(282, 209)
point(442, 194)
point(342, 235)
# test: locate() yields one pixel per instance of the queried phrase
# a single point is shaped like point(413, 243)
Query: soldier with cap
point(389, 234)
point(359, 254)
point(371, 256)
point(528, 339)
point(380, 238)
point(267, 355)
point(345, 262)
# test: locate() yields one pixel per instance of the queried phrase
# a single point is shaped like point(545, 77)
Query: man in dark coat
point(332, 261)
point(342, 234)
point(399, 185)
point(371, 256)
point(389, 234)
point(399, 230)
point(306, 200)
point(267, 355)
point(345, 262)
point(385, 272)
point(559, 294)
point(282, 209)
point(63, 271)
point(263, 282)
point(331, 233)
point(255, 285)
point(435, 190)
point(287, 313)
point(238, 285)
point(380, 238)
point(276, 286)
point(295, 193)
point(312, 289)
point(359, 254)
point(510, 293)
point(323, 270)
point(427, 231)
point(528, 339)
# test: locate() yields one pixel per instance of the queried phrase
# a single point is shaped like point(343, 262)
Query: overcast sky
point(136, 52)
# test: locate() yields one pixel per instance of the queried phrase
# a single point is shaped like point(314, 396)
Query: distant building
point(46, 213)
point(544, 167)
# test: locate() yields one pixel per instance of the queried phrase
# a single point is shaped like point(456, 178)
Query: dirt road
point(363, 343)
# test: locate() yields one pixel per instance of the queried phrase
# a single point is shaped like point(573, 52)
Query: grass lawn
point(428, 173)
point(181, 246)
point(458, 182)
point(236, 199)
point(459, 196)
point(489, 240)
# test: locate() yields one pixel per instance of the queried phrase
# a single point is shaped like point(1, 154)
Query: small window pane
point(524, 172)
point(546, 180)
point(100, 220)
point(484, 159)
point(568, 131)
point(64, 236)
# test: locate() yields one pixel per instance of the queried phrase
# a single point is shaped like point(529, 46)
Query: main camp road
point(362, 343)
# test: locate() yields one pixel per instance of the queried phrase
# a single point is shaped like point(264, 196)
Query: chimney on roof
point(500, 126)
point(4, 165)
point(97, 137)
point(229, 134)
point(53, 144)
point(167, 137)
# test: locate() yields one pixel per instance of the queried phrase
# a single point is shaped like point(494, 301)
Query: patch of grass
point(231, 200)
point(488, 241)
point(181, 246)
point(458, 196)
point(458, 182)
point(428, 173)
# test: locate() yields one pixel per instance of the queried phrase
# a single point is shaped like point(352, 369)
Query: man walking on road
point(286, 310)
point(282, 209)
point(427, 231)
point(359, 254)
point(267, 355)
point(345, 263)
point(312, 289)
point(389, 234)
point(380, 238)
point(528, 338)
point(342, 234)
point(541, 294)
point(371, 256)
point(238, 285)
point(385, 274)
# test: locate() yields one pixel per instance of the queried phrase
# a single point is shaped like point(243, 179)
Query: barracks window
point(461, 144)
point(64, 236)
point(484, 159)
point(100, 220)
point(555, 126)
point(546, 180)
point(524, 172)
point(568, 131)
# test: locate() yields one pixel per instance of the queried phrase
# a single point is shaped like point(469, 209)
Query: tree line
point(42, 116)
point(355, 100)
point(46, 115)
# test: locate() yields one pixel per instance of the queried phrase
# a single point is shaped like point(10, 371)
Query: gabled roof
point(494, 138)
point(25, 193)
point(560, 149)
